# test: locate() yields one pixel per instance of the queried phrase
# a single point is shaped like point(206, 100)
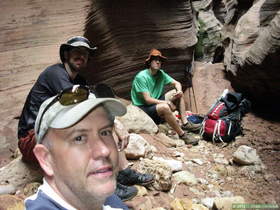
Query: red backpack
point(223, 121)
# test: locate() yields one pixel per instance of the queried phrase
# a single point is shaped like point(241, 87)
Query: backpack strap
point(217, 132)
point(202, 129)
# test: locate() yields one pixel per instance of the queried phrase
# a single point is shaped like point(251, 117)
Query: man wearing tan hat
point(147, 94)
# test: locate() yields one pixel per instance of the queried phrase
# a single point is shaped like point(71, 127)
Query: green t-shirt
point(145, 82)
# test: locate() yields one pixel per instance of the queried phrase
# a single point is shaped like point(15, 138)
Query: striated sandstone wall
point(252, 56)
point(30, 36)
point(250, 33)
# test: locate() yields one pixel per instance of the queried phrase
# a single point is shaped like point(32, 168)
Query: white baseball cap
point(64, 116)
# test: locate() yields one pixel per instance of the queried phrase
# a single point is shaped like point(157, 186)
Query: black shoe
point(131, 177)
point(125, 192)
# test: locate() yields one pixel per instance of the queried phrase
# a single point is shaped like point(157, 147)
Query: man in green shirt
point(147, 94)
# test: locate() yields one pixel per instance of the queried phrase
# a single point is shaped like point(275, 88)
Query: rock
point(226, 202)
point(175, 165)
point(207, 96)
point(202, 181)
point(7, 189)
point(11, 202)
point(269, 177)
point(168, 142)
point(142, 191)
point(181, 204)
point(137, 147)
point(140, 203)
point(227, 194)
point(245, 155)
point(229, 179)
point(231, 8)
point(185, 177)
point(196, 191)
point(178, 154)
point(221, 170)
point(31, 188)
point(154, 149)
point(18, 173)
point(164, 128)
point(252, 51)
point(221, 161)
point(208, 202)
point(137, 121)
point(159, 208)
point(160, 170)
point(251, 170)
point(209, 34)
point(198, 207)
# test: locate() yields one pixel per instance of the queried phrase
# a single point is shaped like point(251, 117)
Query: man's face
point(84, 158)
point(155, 63)
point(77, 58)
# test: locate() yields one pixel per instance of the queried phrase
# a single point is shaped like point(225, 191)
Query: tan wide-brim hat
point(155, 53)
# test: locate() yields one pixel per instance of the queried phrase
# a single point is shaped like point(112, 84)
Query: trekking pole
point(192, 86)
point(194, 99)
point(190, 98)
point(189, 71)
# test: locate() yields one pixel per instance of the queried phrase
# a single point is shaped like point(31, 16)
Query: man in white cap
point(77, 152)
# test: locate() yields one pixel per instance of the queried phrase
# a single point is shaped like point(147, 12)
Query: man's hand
point(123, 142)
point(178, 94)
point(122, 136)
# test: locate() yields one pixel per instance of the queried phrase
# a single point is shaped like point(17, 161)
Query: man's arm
point(149, 100)
point(178, 87)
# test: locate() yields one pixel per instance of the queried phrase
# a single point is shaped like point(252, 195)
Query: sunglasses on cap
point(66, 97)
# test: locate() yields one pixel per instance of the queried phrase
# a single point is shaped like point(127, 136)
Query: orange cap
point(155, 53)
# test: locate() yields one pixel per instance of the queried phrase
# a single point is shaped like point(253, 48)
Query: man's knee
point(170, 94)
point(163, 109)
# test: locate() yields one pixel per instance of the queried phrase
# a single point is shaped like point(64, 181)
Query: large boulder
point(12, 202)
point(253, 52)
point(226, 203)
point(161, 171)
point(137, 147)
point(245, 155)
point(208, 29)
point(137, 121)
point(17, 173)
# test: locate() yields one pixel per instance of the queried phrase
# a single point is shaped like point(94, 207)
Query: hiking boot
point(189, 126)
point(189, 139)
point(131, 177)
point(125, 192)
